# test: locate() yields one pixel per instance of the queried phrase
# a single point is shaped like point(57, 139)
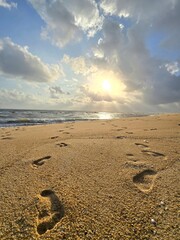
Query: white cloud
point(173, 67)
point(6, 4)
point(18, 62)
point(15, 98)
point(19, 99)
point(99, 96)
point(87, 19)
point(79, 65)
point(67, 20)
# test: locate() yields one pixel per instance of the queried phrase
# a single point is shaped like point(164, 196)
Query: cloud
point(6, 4)
point(173, 68)
point(138, 9)
point(20, 99)
point(14, 98)
point(99, 96)
point(56, 92)
point(138, 41)
point(66, 21)
point(79, 65)
point(18, 62)
point(125, 50)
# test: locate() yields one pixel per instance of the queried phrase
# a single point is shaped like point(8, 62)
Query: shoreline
point(84, 120)
point(107, 179)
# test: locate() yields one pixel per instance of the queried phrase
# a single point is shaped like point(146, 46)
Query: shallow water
point(13, 117)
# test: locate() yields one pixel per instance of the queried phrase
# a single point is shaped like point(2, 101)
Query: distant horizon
point(65, 110)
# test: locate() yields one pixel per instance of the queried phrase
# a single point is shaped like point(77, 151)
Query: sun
point(106, 85)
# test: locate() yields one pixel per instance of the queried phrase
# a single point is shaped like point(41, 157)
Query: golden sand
point(115, 179)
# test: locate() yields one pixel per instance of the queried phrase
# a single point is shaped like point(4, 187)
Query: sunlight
point(106, 85)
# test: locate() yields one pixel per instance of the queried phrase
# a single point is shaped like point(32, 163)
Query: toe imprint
point(62, 144)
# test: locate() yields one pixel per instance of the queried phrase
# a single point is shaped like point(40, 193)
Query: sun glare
point(106, 85)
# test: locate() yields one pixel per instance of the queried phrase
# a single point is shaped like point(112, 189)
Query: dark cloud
point(18, 62)
point(56, 92)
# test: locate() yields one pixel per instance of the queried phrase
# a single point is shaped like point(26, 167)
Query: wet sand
point(114, 179)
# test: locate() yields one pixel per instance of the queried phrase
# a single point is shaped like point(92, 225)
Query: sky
point(90, 55)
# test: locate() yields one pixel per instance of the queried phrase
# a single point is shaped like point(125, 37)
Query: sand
point(113, 179)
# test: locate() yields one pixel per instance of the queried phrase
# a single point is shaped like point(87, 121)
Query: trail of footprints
point(143, 180)
point(50, 208)
point(39, 162)
point(6, 136)
point(50, 211)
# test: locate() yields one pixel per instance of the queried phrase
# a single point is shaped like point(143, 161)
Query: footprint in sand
point(129, 132)
point(50, 209)
point(130, 156)
point(146, 150)
point(152, 153)
point(6, 138)
point(144, 180)
point(62, 144)
point(40, 161)
point(119, 129)
point(121, 137)
point(142, 145)
point(54, 137)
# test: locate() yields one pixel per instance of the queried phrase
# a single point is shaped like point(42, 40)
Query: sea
point(23, 117)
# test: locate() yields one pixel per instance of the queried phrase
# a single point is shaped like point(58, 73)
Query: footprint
point(130, 156)
point(152, 153)
point(120, 137)
point(51, 211)
point(62, 144)
point(54, 137)
point(6, 138)
point(129, 132)
point(153, 129)
point(141, 145)
point(40, 161)
point(144, 180)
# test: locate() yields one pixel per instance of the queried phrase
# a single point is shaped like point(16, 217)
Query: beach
point(104, 179)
